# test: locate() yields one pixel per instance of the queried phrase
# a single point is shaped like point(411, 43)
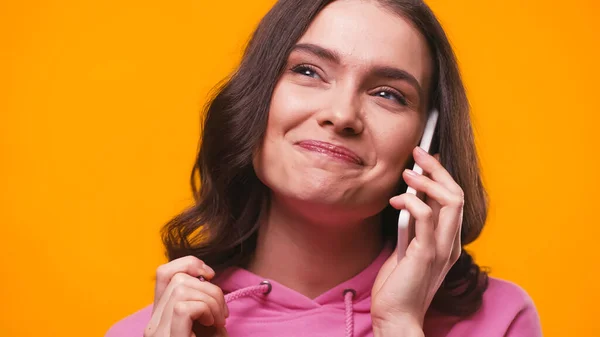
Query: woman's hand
point(404, 289)
point(185, 306)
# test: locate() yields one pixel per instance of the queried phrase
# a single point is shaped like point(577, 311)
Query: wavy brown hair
point(221, 227)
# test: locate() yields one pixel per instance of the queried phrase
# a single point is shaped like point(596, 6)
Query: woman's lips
point(338, 152)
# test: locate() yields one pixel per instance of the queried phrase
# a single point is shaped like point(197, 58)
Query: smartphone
point(405, 233)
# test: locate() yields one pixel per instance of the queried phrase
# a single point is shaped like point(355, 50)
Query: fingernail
point(208, 269)
point(411, 173)
point(226, 311)
point(420, 150)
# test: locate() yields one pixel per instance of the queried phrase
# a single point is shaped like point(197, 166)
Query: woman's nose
point(343, 116)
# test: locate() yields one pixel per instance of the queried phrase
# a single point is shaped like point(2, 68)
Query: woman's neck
point(310, 257)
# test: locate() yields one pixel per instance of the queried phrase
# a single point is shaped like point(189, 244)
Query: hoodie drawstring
point(349, 295)
point(265, 288)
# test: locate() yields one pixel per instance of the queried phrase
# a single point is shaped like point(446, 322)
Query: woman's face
point(347, 111)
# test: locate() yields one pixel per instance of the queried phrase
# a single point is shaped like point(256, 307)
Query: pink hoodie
point(507, 310)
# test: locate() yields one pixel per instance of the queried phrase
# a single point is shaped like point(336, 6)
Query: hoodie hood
point(343, 310)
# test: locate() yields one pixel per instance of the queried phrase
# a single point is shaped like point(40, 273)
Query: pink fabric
point(507, 310)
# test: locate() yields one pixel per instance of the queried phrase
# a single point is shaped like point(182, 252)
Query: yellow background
point(99, 123)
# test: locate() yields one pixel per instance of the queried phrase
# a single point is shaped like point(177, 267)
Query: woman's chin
point(315, 193)
point(327, 203)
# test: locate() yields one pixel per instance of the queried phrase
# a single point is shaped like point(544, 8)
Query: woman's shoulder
point(503, 293)
point(132, 325)
point(508, 308)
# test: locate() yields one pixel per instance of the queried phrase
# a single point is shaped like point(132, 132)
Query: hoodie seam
point(336, 305)
point(294, 316)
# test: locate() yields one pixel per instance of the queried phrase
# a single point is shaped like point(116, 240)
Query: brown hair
point(221, 227)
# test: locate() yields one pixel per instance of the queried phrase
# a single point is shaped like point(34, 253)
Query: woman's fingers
point(439, 186)
point(448, 229)
point(439, 217)
point(172, 279)
point(456, 248)
point(184, 293)
point(179, 290)
point(182, 271)
point(216, 293)
point(432, 188)
point(424, 221)
point(187, 305)
point(438, 173)
point(184, 315)
point(188, 264)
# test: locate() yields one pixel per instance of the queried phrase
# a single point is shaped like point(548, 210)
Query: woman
point(303, 167)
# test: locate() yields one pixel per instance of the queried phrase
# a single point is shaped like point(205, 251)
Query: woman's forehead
point(365, 34)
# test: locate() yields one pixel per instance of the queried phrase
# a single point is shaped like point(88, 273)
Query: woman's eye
point(306, 71)
point(387, 94)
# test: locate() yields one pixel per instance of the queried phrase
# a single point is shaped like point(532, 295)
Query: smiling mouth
point(334, 151)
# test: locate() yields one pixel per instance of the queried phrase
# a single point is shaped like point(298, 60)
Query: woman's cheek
point(292, 101)
point(395, 144)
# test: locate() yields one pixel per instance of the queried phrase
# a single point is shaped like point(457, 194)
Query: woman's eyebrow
point(318, 51)
point(392, 73)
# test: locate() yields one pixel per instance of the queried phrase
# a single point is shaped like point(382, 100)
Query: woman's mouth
point(331, 150)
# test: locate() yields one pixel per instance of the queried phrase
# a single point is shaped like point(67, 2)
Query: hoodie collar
point(236, 278)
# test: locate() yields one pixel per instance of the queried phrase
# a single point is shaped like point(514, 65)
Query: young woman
point(302, 169)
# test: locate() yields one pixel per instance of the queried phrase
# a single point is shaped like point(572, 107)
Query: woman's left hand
point(404, 289)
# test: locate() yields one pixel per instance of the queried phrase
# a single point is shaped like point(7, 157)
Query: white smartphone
point(404, 232)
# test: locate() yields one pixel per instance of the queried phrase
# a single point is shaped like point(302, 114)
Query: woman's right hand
point(182, 301)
